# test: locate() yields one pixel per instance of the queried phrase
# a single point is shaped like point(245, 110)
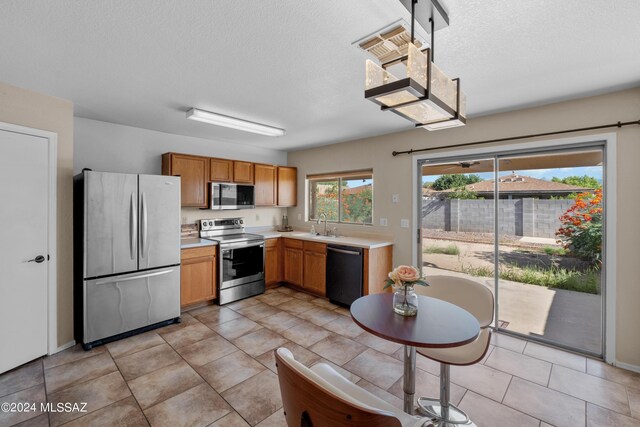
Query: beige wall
point(392, 175)
point(26, 108)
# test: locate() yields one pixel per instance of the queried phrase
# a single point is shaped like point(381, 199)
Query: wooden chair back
point(308, 404)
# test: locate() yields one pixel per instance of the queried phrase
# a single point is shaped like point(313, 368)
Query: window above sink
point(344, 197)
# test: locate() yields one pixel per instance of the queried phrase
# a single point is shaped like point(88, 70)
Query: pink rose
point(407, 273)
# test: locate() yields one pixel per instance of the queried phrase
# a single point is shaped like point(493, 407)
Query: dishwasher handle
point(343, 251)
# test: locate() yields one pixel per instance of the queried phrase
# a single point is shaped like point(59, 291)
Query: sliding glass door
point(529, 225)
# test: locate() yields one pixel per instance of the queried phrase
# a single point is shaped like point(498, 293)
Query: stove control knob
point(210, 223)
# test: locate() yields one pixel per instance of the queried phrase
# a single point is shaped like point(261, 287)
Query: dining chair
point(321, 397)
point(477, 299)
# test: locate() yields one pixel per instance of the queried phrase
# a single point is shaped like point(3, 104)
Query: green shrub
point(448, 250)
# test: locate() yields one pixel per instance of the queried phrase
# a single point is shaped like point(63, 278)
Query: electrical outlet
point(257, 217)
point(404, 223)
point(383, 222)
point(395, 198)
point(184, 219)
point(299, 217)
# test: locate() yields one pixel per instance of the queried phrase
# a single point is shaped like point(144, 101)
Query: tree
point(584, 181)
point(462, 193)
point(581, 230)
point(444, 182)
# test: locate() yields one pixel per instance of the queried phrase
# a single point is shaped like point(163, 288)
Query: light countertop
point(360, 242)
point(195, 242)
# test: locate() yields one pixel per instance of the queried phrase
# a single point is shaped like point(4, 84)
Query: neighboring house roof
point(514, 184)
point(356, 190)
point(517, 184)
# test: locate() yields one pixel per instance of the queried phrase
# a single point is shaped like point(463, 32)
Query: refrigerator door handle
point(133, 226)
point(135, 276)
point(143, 227)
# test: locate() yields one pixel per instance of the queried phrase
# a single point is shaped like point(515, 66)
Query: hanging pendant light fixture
point(424, 95)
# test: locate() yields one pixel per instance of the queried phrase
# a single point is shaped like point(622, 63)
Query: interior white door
point(24, 192)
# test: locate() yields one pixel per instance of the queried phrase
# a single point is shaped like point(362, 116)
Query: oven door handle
point(240, 245)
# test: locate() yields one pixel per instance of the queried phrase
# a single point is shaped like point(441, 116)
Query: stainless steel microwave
point(231, 196)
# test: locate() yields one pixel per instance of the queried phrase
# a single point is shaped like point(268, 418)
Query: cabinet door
point(293, 266)
point(287, 183)
point(265, 181)
point(271, 265)
point(193, 171)
point(220, 170)
point(198, 280)
point(315, 264)
point(243, 172)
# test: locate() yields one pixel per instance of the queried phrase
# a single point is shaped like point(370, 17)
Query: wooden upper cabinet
point(266, 185)
point(220, 170)
point(315, 267)
point(242, 172)
point(287, 183)
point(193, 172)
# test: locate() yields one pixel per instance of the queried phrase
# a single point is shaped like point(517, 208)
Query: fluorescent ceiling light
point(232, 122)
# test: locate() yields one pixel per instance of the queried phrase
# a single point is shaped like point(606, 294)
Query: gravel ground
point(487, 238)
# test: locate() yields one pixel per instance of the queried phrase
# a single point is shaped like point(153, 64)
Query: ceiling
point(291, 64)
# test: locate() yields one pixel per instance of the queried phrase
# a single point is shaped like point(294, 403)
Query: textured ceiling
point(291, 63)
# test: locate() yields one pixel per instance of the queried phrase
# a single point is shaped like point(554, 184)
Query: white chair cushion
point(467, 354)
point(327, 378)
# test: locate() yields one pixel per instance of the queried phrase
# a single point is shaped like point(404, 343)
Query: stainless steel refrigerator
point(127, 254)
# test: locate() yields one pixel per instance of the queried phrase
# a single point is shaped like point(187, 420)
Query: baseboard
point(65, 346)
point(628, 366)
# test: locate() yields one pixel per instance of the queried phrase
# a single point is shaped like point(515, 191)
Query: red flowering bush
point(581, 230)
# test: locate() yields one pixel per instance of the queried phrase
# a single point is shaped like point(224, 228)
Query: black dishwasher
point(344, 273)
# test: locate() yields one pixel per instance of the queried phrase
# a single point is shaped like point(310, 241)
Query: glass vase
point(405, 300)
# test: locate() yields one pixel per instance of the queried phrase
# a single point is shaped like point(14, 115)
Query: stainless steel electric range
point(241, 258)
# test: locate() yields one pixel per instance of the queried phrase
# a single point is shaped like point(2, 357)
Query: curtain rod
point(535, 135)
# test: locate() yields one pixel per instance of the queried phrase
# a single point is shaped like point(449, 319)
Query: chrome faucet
point(323, 217)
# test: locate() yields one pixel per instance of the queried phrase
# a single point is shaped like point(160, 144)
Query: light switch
point(383, 222)
point(299, 217)
point(404, 223)
point(395, 198)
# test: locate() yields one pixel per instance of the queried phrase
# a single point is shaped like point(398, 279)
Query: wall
point(392, 176)
point(27, 108)
point(116, 148)
point(518, 217)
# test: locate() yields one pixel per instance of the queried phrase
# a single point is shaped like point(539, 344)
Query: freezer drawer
point(119, 304)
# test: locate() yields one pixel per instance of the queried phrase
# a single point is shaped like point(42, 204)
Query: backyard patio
point(570, 317)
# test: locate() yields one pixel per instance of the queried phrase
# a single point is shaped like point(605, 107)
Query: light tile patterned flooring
point(217, 369)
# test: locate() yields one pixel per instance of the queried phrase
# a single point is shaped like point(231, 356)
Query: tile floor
point(217, 369)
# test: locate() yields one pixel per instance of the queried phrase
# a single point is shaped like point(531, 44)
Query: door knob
point(37, 259)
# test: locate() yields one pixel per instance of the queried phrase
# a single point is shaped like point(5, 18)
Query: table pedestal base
point(409, 381)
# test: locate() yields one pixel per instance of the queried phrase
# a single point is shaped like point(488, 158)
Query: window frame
point(339, 177)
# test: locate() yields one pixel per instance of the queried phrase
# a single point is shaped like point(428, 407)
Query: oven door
point(241, 263)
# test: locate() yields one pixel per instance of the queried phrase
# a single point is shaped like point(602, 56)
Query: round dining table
point(438, 324)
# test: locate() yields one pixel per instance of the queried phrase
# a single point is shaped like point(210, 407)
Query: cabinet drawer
point(315, 247)
point(293, 243)
point(271, 243)
point(203, 251)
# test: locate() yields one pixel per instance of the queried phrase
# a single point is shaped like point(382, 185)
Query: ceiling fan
point(463, 165)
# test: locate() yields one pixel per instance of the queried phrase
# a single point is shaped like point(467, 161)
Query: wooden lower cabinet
point(293, 261)
point(198, 275)
point(315, 268)
point(272, 261)
point(304, 265)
